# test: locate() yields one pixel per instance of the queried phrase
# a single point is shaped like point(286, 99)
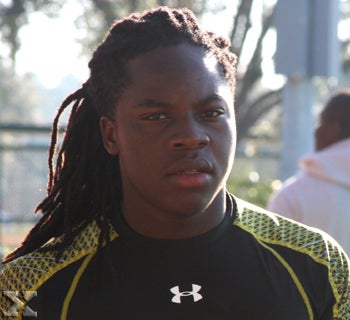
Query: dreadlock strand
point(55, 132)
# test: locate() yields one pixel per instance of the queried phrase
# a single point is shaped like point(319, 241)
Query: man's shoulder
point(29, 272)
point(272, 228)
point(287, 239)
point(21, 278)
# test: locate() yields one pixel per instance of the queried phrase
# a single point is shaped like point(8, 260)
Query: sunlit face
point(174, 133)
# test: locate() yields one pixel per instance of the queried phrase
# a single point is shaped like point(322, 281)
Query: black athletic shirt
point(254, 265)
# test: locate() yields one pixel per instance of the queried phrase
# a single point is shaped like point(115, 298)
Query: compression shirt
point(254, 265)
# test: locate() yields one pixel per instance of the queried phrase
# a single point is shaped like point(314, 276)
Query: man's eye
point(155, 117)
point(213, 113)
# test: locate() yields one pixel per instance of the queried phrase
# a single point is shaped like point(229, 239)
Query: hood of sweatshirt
point(331, 164)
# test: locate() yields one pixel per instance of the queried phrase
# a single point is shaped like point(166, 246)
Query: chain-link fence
point(23, 178)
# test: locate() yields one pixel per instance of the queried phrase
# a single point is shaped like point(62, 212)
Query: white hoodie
point(320, 195)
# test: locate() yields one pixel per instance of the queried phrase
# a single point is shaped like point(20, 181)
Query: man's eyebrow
point(152, 103)
point(212, 97)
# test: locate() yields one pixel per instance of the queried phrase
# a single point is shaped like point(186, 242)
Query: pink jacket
point(319, 196)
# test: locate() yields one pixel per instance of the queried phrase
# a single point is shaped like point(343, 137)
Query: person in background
point(319, 195)
point(138, 224)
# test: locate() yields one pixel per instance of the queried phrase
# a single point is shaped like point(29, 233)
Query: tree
point(17, 96)
point(14, 15)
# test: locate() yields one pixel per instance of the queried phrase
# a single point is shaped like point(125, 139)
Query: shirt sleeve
point(339, 274)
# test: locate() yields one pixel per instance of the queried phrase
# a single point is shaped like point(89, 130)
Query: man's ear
point(109, 135)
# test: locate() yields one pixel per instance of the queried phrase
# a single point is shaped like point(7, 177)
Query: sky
point(49, 48)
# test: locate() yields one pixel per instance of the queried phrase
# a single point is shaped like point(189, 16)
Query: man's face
point(173, 132)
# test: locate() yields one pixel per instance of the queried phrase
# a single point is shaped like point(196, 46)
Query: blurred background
point(292, 55)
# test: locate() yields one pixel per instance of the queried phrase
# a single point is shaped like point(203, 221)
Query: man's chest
point(189, 286)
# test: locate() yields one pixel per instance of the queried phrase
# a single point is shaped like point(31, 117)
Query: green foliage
point(248, 186)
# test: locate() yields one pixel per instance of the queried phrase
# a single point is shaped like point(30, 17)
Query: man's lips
point(191, 173)
point(190, 166)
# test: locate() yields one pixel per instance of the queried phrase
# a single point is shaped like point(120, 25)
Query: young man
point(319, 195)
point(138, 223)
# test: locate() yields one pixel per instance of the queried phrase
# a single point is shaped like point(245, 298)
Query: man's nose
point(189, 133)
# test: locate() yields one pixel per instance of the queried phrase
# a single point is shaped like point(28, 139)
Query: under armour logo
point(178, 294)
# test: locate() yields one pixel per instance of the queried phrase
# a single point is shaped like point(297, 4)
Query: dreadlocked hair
point(84, 181)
